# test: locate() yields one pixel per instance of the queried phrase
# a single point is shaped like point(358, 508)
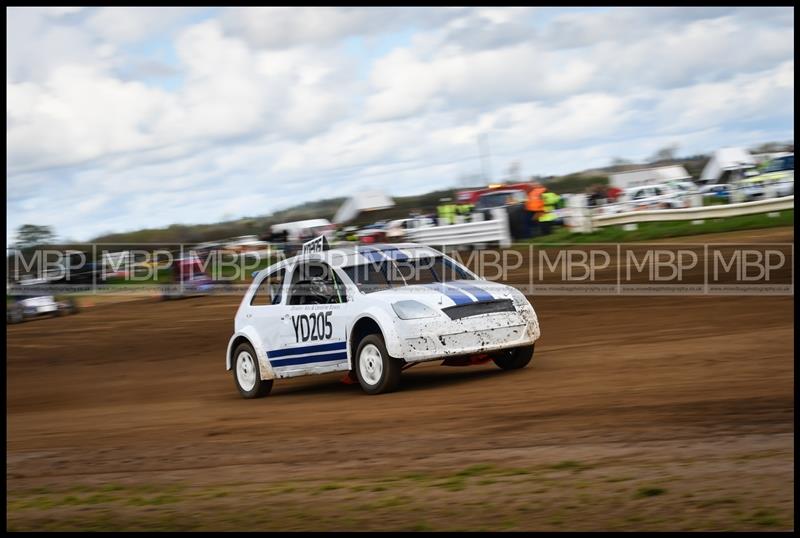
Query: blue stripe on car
point(453, 294)
point(372, 255)
point(379, 254)
point(340, 356)
point(305, 350)
point(394, 253)
point(480, 295)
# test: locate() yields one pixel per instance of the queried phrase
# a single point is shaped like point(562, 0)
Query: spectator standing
point(548, 215)
point(534, 207)
point(446, 211)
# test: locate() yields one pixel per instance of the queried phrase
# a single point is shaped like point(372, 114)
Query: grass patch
point(513, 471)
point(330, 487)
point(717, 502)
point(454, 483)
point(153, 501)
point(475, 470)
point(615, 479)
point(647, 231)
point(389, 502)
point(570, 465)
point(764, 518)
point(642, 493)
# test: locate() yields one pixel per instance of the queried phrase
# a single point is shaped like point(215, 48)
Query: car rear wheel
point(377, 372)
point(247, 375)
point(14, 314)
point(70, 307)
point(514, 359)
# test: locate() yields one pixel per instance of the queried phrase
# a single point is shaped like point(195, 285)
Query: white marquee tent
point(649, 176)
point(365, 201)
point(726, 160)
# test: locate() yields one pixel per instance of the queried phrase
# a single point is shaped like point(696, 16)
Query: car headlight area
point(411, 309)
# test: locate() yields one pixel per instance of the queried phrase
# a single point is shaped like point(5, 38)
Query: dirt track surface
point(636, 413)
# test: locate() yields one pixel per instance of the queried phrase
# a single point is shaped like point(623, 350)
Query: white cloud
point(281, 27)
point(126, 24)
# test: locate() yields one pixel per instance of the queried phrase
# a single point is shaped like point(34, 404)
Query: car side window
point(269, 291)
point(315, 283)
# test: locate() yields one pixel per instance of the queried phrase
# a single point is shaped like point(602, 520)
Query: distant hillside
point(259, 226)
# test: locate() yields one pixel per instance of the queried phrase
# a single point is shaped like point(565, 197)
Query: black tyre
point(246, 374)
point(71, 307)
point(377, 372)
point(514, 359)
point(14, 314)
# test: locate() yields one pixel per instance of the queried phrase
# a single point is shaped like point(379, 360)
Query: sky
point(120, 119)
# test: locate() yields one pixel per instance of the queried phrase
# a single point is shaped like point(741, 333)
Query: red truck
point(471, 196)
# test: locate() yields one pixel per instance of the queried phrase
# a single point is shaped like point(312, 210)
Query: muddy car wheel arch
point(376, 370)
point(246, 373)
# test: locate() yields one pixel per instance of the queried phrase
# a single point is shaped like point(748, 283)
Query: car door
point(313, 332)
point(266, 309)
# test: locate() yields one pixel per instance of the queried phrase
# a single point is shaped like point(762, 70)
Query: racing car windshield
point(368, 277)
point(396, 273)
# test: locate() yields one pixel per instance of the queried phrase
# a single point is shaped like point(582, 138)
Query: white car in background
point(32, 298)
point(659, 196)
point(373, 311)
point(397, 229)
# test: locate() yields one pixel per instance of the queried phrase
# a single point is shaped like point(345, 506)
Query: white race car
point(373, 311)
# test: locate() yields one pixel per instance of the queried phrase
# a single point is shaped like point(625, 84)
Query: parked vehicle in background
point(396, 229)
point(660, 196)
point(513, 200)
point(779, 169)
point(778, 175)
point(784, 188)
point(751, 189)
point(500, 198)
point(373, 233)
point(75, 269)
point(719, 191)
point(188, 279)
point(471, 196)
point(297, 230)
point(687, 187)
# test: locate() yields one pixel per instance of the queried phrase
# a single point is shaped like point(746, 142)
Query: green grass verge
point(648, 231)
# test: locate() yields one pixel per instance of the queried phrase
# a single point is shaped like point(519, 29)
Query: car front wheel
point(514, 359)
point(247, 375)
point(377, 372)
